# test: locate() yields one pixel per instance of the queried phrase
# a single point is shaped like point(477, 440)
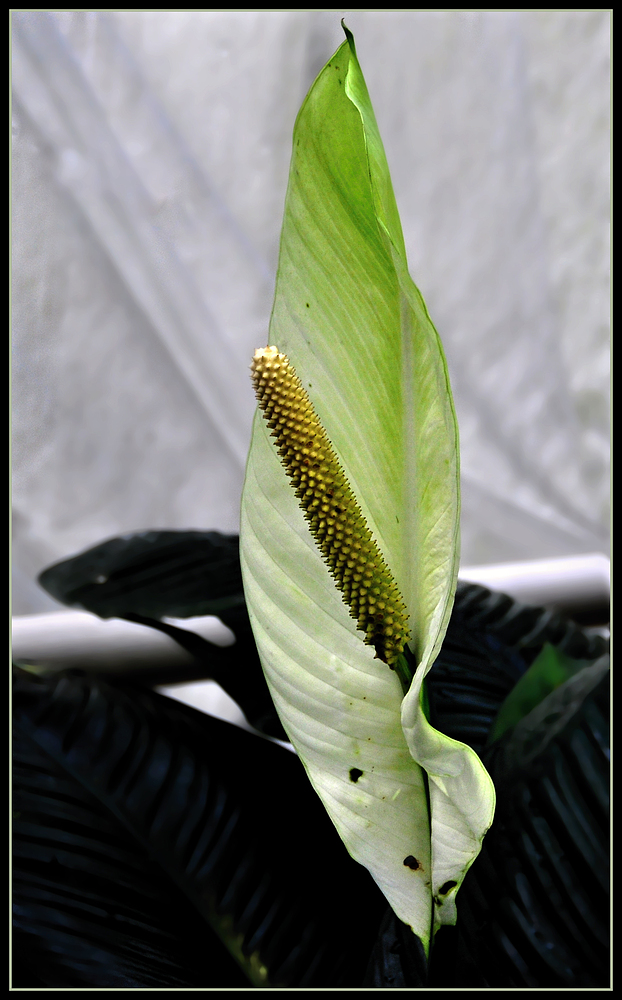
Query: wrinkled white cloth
point(151, 155)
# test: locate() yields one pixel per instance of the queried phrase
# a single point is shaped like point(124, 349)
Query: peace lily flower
point(350, 515)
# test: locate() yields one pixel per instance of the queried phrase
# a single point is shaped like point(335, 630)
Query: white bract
point(356, 330)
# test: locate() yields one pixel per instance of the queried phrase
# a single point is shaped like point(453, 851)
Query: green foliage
point(549, 670)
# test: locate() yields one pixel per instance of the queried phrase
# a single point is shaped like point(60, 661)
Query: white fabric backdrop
point(151, 154)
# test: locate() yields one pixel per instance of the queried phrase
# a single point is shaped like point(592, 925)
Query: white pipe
point(68, 638)
point(573, 582)
point(62, 639)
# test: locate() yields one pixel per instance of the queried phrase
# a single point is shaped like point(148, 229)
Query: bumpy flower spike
point(330, 507)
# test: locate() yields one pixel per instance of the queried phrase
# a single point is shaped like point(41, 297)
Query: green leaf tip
point(348, 34)
point(330, 507)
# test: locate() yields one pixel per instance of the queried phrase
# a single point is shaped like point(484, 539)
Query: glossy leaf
point(148, 835)
point(149, 575)
point(358, 334)
point(535, 910)
point(156, 574)
point(550, 669)
point(533, 907)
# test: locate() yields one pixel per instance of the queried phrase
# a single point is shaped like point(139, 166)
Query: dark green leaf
point(151, 575)
point(535, 906)
point(549, 669)
point(90, 906)
point(524, 627)
point(398, 959)
point(533, 910)
point(156, 574)
point(490, 643)
point(158, 817)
